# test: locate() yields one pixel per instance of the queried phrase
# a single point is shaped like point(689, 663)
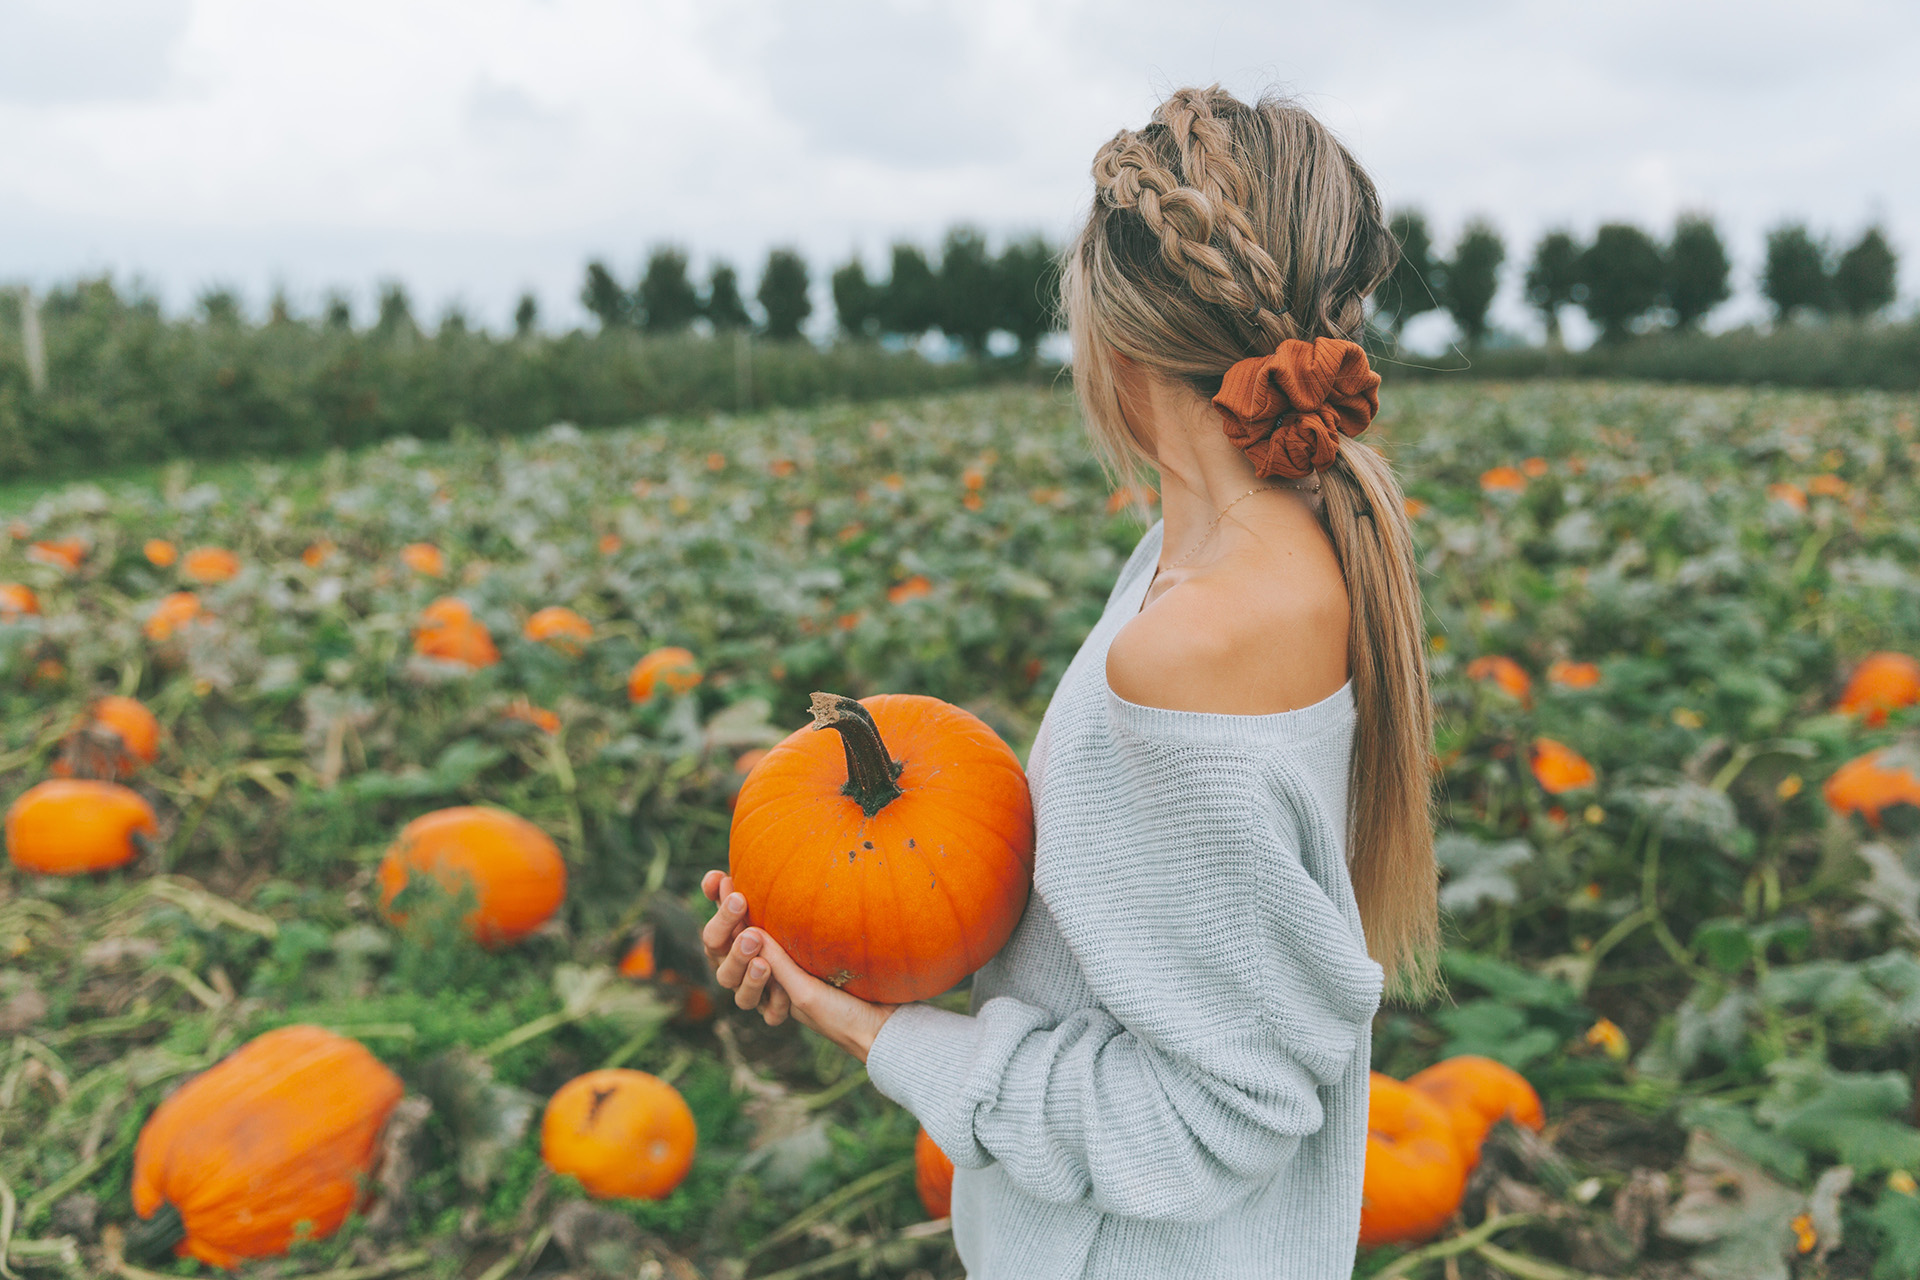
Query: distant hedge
point(125, 385)
point(1835, 355)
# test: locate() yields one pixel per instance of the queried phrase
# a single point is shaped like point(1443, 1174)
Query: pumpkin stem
point(871, 771)
point(154, 1238)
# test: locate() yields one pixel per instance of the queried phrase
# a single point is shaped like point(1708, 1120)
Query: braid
point(1187, 218)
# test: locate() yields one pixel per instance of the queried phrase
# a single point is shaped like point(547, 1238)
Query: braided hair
point(1218, 231)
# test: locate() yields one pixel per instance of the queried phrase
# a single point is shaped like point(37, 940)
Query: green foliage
point(1409, 290)
point(526, 314)
point(783, 294)
point(910, 300)
point(666, 301)
point(723, 307)
point(1697, 270)
point(1553, 279)
point(1863, 279)
point(1028, 273)
point(605, 299)
point(1624, 274)
point(1471, 277)
point(1796, 277)
point(856, 303)
point(967, 289)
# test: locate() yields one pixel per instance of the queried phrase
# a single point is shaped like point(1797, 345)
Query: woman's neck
point(1201, 472)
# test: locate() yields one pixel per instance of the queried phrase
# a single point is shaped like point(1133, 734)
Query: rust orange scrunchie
point(1287, 411)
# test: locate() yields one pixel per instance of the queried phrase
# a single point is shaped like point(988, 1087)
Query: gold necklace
point(1223, 515)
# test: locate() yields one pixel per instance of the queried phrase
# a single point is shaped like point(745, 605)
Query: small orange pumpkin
point(114, 738)
point(1574, 675)
point(424, 558)
point(912, 589)
point(1879, 786)
point(932, 1176)
point(449, 631)
point(560, 627)
point(1790, 494)
point(1478, 1093)
point(317, 553)
point(17, 601)
point(210, 565)
point(1504, 672)
point(1882, 683)
point(622, 1133)
point(160, 553)
point(515, 870)
point(1558, 768)
point(270, 1143)
point(893, 861)
point(71, 826)
point(1502, 479)
point(1415, 1176)
point(64, 554)
point(638, 961)
point(173, 612)
point(670, 665)
point(539, 717)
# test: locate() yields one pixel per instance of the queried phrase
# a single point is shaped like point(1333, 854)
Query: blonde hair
point(1216, 232)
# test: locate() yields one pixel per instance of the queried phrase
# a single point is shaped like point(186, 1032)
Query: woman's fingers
point(753, 983)
point(710, 885)
point(777, 1005)
point(732, 967)
point(718, 934)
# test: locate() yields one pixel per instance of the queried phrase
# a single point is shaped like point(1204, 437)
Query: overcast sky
point(478, 148)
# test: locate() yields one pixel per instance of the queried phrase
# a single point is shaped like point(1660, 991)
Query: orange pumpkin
point(449, 631)
point(622, 1133)
point(1478, 1093)
point(514, 868)
point(173, 612)
point(1558, 768)
point(932, 1176)
point(1504, 672)
point(317, 553)
point(895, 860)
point(17, 601)
point(1574, 675)
point(114, 738)
point(912, 589)
point(267, 1145)
point(671, 666)
point(160, 553)
point(1502, 479)
point(559, 626)
point(424, 558)
point(539, 717)
point(1790, 494)
point(1878, 786)
point(1882, 683)
point(64, 554)
point(638, 962)
point(1415, 1176)
point(210, 564)
point(70, 826)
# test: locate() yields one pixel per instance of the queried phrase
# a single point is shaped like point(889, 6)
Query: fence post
point(742, 370)
point(31, 339)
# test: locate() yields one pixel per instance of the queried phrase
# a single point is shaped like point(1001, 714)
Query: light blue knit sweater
point(1165, 1072)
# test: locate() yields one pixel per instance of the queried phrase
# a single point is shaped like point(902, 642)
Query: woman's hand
point(748, 962)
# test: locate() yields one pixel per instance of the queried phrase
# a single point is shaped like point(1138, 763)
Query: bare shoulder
point(1248, 637)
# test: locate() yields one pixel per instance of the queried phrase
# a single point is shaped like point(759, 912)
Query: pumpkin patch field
point(359, 804)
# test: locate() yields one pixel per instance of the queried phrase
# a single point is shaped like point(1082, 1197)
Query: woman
point(1165, 1070)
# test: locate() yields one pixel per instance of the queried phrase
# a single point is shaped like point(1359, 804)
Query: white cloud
point(477, 148)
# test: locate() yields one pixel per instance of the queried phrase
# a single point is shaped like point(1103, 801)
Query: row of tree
point(1627, 281)
point(968, 293)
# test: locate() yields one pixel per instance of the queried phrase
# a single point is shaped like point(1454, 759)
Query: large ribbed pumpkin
point(272, 1141)
point(1416, 1174)
point(513, 867)
point(891, 857)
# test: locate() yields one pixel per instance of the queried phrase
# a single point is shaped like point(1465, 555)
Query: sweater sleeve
point(1229, 987)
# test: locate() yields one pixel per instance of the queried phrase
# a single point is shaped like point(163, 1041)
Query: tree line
point(1626, 280)
point(968, 292)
